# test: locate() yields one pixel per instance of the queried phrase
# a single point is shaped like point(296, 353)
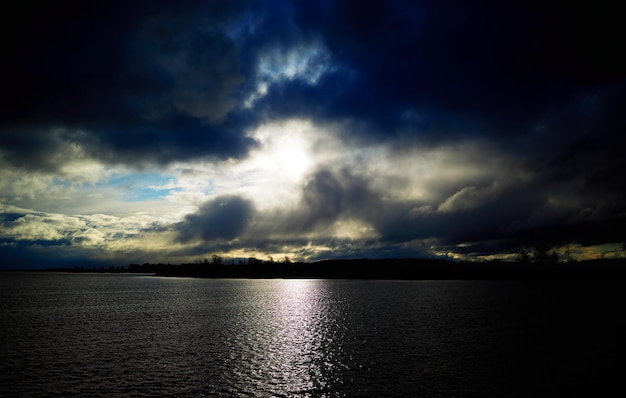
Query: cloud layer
point(310, 129)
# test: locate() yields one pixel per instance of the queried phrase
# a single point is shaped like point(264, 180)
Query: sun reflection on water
point(297, 344)
point(302, 319)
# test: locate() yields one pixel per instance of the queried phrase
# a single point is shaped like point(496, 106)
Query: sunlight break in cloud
point(270, 176)
point(304, 184)
point(387, 129)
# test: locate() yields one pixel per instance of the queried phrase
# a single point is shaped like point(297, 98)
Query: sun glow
point(281, 163)
point(292, 156)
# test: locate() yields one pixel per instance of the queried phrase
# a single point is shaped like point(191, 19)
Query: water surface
point(128, 335)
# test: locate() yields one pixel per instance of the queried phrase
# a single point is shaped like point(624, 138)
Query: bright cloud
point(304, 62)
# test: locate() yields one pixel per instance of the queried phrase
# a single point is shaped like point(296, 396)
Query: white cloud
point(118, 210)
point(36, 227)
point(17, 185)
point(464, 199)
point(304, 62)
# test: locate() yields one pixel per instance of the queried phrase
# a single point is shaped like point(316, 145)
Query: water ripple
point(103, 335)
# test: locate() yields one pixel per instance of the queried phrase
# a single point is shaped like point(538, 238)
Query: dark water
point(125, 335)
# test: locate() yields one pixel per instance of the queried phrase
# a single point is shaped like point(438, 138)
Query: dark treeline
point(395, 269)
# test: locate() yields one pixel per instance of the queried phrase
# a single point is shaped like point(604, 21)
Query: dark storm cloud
point(162, 81)
point(222, 218)
point(33, 150)
point(499, 66)
point(144, 81)
point(524, 216)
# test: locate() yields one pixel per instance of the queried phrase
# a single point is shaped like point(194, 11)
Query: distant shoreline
point(405, 269)
point(400, 269)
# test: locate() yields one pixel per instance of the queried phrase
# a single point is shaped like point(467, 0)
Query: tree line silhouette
point(392, 268)
point(540, 263)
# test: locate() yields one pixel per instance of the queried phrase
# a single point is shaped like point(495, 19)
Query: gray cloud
point(41, 149)
point(326, 198)
point(222, 218)
point(182, 65)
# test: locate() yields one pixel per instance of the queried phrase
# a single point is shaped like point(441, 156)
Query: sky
point(160, 131)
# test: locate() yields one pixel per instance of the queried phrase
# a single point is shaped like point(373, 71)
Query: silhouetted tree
point(216, 260)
